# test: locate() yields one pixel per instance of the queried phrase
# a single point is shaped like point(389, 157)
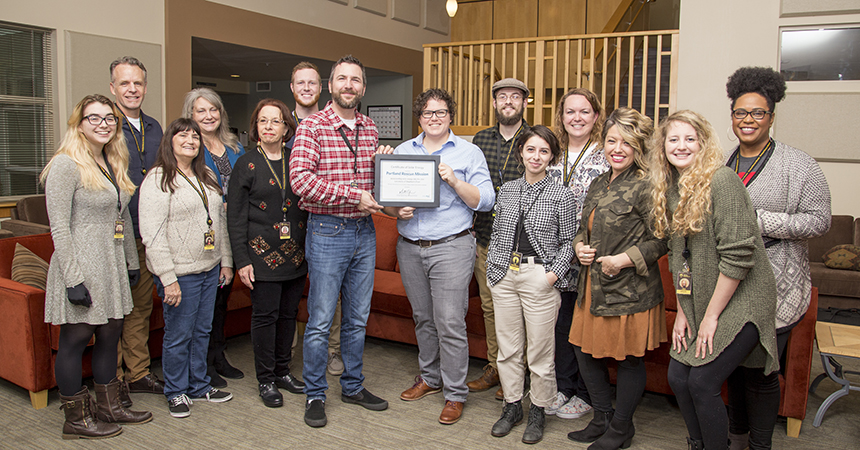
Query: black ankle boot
point(695, 444)
point(512, 415)
point(534, 429)
point(597, 427)
point(619, 435)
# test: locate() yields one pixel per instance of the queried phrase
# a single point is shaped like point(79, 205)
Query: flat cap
point(510, 83)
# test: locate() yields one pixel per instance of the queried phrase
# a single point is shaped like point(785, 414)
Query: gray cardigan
point(792, 201)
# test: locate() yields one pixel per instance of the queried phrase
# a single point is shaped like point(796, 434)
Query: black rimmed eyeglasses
point(757, 114)
point(440, 113)
point(96, 120)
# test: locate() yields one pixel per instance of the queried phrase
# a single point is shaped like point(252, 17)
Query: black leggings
point(754, 398)
point(567, 374)
point(630, 386)
point(697, 389)
point(74, 338)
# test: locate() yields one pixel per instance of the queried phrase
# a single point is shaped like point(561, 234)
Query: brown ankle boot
point(81, 422)
point(111, 410)
point(124, 397)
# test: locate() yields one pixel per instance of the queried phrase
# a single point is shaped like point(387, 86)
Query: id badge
point(353, 184)
point(284, 230)
point(685, 282)
point(118, 228)
point(516, 258)
point(209, 240)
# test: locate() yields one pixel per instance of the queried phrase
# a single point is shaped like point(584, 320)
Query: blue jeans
point(186, 334)
point(341, 255)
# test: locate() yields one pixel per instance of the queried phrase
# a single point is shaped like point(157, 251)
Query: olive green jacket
point(731, 244)
point(621, 225)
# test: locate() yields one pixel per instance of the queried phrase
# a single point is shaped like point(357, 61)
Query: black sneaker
point(366, 399)
point(179, 406)
point(216, 396)
point(315, 413)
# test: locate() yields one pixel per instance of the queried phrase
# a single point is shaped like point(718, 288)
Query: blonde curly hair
point(636, 129)
point(694, 183)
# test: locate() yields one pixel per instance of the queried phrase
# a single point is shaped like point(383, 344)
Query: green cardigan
point(731, 244)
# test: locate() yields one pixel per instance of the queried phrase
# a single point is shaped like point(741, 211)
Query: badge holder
point(209, 240)
point(119, 226)
point(516, 259)
point(284, 230)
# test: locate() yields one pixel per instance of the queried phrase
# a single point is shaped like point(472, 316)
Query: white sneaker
point(573, 409)
point(558, 402)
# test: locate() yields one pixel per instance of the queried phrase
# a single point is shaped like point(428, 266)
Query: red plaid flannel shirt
point(322, 166)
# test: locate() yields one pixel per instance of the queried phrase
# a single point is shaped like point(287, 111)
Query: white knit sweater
point(172, 228)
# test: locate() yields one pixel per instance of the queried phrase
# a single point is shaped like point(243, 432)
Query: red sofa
point(29, 345)
point(390, 313)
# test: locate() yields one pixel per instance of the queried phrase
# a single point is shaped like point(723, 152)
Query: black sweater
point(253, 212)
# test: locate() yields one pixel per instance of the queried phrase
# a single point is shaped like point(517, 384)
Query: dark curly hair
point(434, 94)
point(544, 133)
point(762, 80)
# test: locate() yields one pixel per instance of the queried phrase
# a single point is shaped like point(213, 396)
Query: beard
point(301, 102)
point(337, 97)
point(510, 120)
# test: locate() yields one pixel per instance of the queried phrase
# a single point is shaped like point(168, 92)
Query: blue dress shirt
point(453, 215)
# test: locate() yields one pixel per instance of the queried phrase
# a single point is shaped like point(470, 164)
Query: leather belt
point(536, 260)
point(424, 243)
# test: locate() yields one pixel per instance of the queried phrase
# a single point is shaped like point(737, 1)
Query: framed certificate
point(408, 180)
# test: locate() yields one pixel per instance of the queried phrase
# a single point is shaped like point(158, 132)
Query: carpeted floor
point(244, 423)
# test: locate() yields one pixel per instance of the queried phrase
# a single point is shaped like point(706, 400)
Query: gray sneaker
point(335, 364)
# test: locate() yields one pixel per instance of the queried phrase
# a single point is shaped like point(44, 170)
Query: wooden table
point(835, 340)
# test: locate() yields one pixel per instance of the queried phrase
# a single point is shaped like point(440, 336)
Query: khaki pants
point(486, 304)
point(526, 308)
point(133, 347)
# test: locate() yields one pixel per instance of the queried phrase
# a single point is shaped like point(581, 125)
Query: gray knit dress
point(85, 251)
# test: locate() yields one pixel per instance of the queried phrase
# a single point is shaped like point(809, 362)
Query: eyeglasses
point(275, 122)
point(440, 113)
point(96, 120)
point(504, 97)
point(757, 114)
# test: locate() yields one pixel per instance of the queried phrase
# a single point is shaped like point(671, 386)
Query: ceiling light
point(234, 76)
point(451, 6)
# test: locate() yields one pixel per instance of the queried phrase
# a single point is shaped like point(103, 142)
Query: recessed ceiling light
point(234, 76)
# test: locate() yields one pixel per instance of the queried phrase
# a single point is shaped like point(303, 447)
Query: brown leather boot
point(81, 422)
point(124, 397)
point(488, 379)
point(111, 410)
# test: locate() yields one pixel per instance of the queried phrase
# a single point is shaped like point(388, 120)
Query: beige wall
point(376, 22)
point(716, 39)
point(137, 21)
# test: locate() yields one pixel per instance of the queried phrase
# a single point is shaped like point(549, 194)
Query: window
point(821, 54)
point(26, 107)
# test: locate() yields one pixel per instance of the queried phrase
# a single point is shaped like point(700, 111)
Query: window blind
point(26, 107)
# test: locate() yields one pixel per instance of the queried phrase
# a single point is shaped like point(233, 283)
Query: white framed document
point(408, 180)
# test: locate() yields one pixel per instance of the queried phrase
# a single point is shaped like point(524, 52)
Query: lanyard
point(567, 176)
point(353, 150)
point(201, 193)
point(282, 183)
point(521, 224)
point(141, 146)
point(510, 149)
point(752, 172)
point(110, 176)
